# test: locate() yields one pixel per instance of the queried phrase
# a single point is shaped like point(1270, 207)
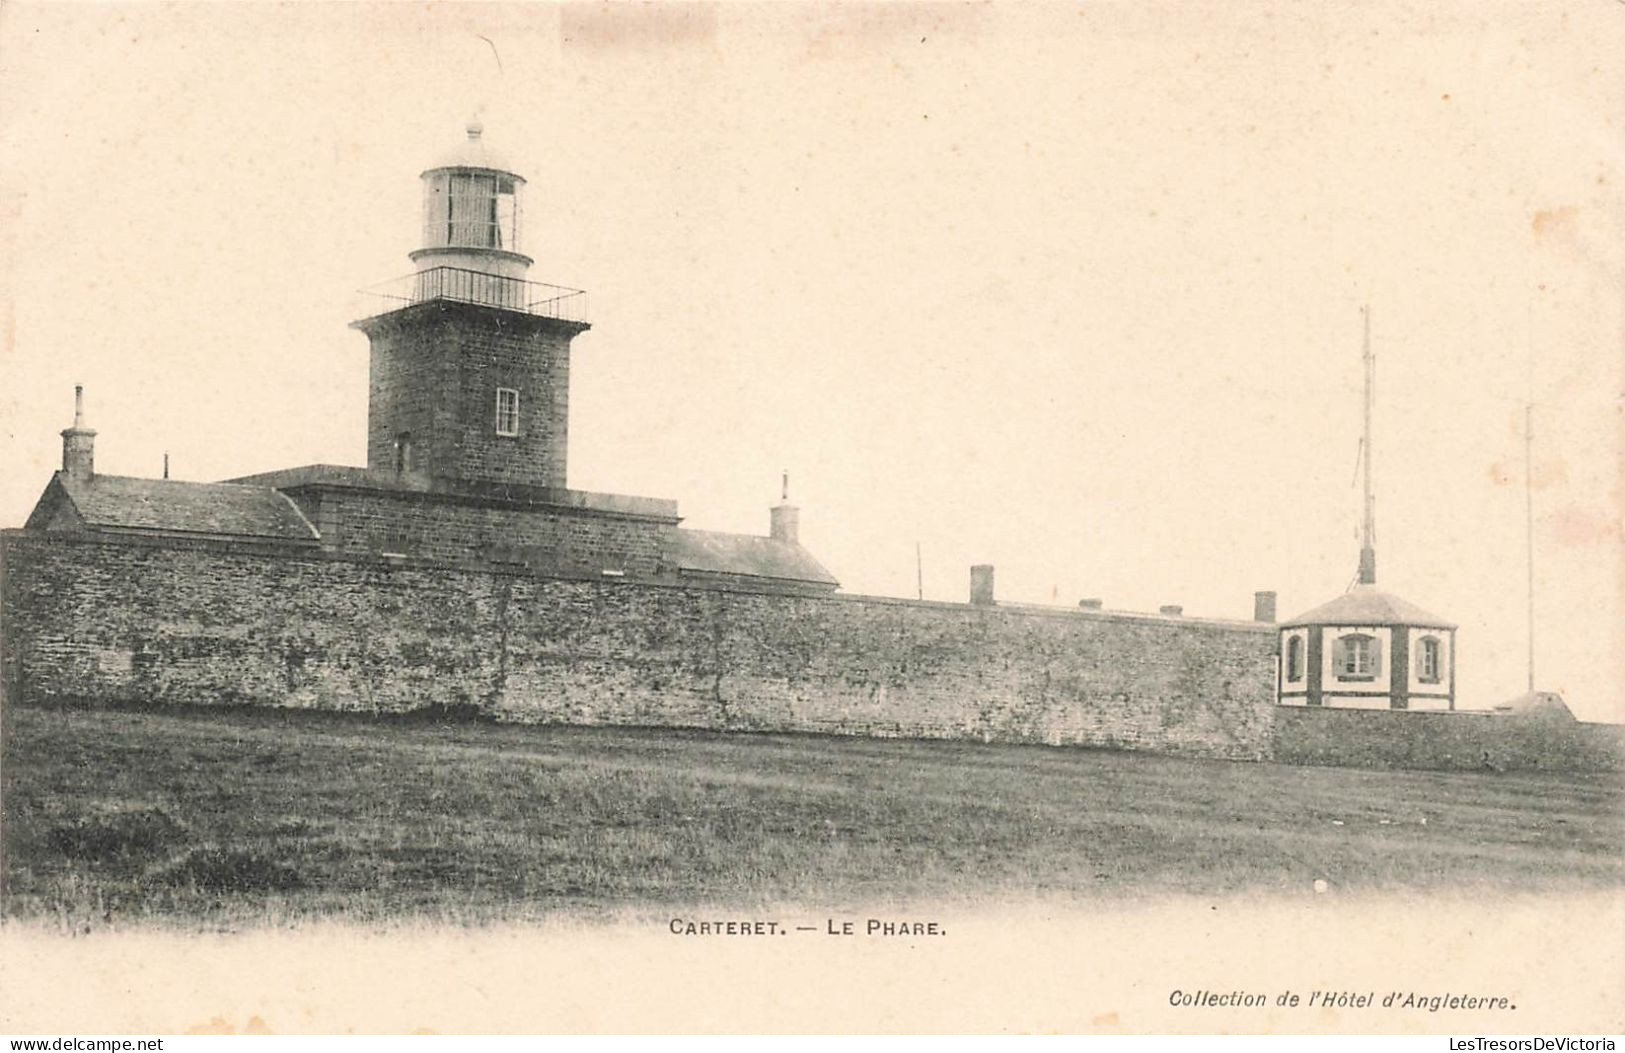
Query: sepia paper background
point(1074, 290)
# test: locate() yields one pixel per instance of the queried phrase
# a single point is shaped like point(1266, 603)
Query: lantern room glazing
point(472, 209)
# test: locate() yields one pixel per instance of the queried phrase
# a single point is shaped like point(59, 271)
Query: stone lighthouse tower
point(470, 362)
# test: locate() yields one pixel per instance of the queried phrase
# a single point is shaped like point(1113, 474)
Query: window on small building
point(507, 411)
point(1294, 658)
point(1427, 660)
point(1356, 657)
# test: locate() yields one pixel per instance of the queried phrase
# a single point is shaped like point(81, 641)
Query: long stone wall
point(1363, 738)
point(89, 619)
point(166, 621)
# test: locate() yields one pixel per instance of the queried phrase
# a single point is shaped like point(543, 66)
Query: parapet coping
point(757, 586)
point(434, 488)
point(1047, 611)
point(396, 316)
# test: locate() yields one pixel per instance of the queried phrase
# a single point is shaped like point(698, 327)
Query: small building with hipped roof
point(1368, 649)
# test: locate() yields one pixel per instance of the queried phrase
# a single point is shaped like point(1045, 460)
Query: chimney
point(79, 443)
point(1172, 610)
point(786, 517)
point(1093, 603)
point(981, 585)
point(1263, 606)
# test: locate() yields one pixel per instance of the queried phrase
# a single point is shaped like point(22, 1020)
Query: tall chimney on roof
point(79, 443)
point(786, 517)
point(1263, 606)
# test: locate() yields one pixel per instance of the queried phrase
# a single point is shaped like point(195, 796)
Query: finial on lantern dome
point(475, 129)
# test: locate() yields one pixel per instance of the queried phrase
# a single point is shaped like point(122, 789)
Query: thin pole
point(1529, 523)
point(1368, 532)
point(1529, 481)
point(919, 573)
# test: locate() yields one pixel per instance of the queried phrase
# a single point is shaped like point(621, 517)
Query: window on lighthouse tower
point(507, 411)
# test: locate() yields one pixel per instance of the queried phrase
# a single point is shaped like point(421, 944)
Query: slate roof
point(1369, 605)
point(170, 506)
point(711, 552)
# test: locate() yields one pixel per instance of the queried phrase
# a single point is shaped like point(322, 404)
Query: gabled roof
point(711, 552)
point(1369, 605)
point(170, 506)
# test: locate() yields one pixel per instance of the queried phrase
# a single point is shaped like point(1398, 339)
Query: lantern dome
point(474, 152)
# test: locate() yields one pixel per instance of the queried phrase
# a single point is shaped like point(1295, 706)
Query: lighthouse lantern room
point(472, 204)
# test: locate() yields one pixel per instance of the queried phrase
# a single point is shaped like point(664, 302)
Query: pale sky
point(1072, 290)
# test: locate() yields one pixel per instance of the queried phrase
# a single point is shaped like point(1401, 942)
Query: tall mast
point(1368, 530)
point(1529, 486)
point(1529, 523)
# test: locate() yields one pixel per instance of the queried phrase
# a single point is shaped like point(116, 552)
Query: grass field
point(247, 817)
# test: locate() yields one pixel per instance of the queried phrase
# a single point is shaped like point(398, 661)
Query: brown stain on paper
point(1575, 526)
point(637, 27)
point(1510, 473)
point(846, 30)
point(1553, 222)
point(221, 1026)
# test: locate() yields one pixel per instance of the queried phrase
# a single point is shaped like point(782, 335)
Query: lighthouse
point(469, 372)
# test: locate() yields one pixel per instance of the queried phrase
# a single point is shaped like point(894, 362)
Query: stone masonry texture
point(435, 369)
point(98, 620)
point(95, 620)
point(1364, 738)
point(363, 522)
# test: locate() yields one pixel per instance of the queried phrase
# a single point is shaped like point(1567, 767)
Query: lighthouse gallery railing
point(465, 286)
